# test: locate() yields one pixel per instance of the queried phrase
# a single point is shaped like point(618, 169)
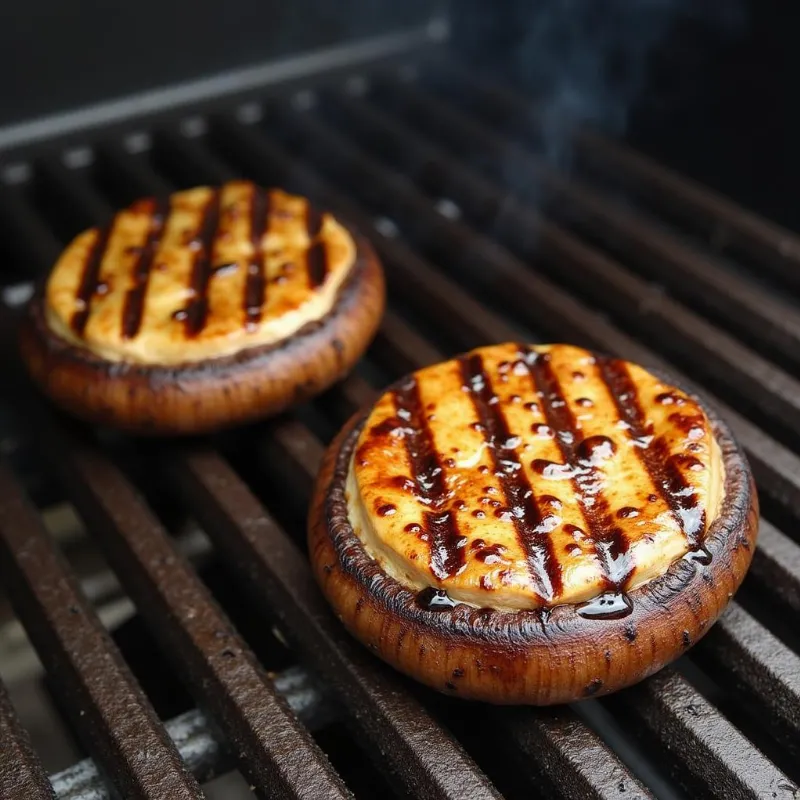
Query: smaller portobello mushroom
point(202, 310)
point(532, 524)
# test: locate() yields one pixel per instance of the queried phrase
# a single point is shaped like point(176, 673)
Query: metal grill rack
point(621, 256)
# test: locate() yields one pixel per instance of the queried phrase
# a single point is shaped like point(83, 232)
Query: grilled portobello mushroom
point(205, 309)
point(532, 524)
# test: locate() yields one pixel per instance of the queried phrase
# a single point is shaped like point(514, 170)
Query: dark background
point(716, 97)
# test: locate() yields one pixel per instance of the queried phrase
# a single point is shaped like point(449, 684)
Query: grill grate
point(419, 159)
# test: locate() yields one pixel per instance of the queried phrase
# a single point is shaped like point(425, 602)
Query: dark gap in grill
point(771, 614)
point(353, 764)
point(492, 745)
point(631, 749)
point(742, 712)
point(668, 764)
point(54, 741)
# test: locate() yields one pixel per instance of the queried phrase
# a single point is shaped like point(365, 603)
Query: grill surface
point(623, 257)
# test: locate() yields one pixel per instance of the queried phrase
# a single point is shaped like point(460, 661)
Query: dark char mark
point(664, 473)
point(89, 278)
point(197, 310)
point(255, 285)
point(317, 256)
point(582, 457)
point(446, 544)
point(134, 299)
point(526, 515)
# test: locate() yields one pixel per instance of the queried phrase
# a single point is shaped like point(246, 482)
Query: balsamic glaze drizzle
point(581, 456)
point(197, 310)
point(133, 307)
point(526, 515)
point(664, 473)
point(317, 254)
point(446, 544)
point(89, 278)
point(255, 284)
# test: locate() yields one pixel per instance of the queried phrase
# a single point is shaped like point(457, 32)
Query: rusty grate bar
point(21, 773)
point(106, 705)
point(274, 751)
point(707, 744)
point(760, 665)
point(198, 741)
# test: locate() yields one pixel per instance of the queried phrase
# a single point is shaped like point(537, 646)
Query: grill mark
point(446, 544)
point(89, 278)
point(317, 260)
point(197, 310)
point(664, 473)
point(317, 254)
point(133, 307)
point(255, 285)
point(313, 221)
point(526, 516)
point(610, 543)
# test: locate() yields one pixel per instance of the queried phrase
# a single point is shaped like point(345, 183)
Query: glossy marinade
point(526, 477)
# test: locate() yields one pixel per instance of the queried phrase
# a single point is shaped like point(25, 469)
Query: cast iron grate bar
point(274, 751)
point(198, 741)
point(105, 704)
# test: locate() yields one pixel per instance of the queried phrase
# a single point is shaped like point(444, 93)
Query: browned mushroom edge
point(198, 397)
point(536, 657)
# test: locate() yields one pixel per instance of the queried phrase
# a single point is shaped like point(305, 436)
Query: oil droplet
point(574, 531)
point(552, 470)
point(596, 449)
point(431, 599)
point(610, 605)
point(699, 555)
point(627, 512)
